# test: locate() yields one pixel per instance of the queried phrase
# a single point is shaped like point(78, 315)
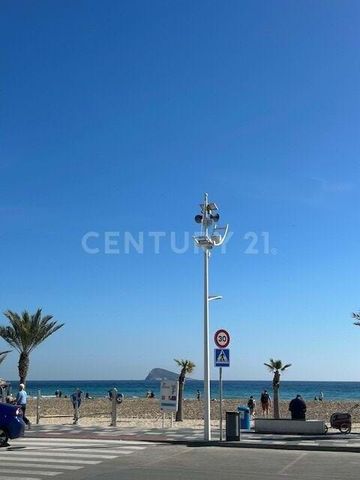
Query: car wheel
point(345, 428)
point(3, 437)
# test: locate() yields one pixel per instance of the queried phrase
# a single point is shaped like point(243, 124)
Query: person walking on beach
point(251, 404)
point(76, 402)
point(21, 400)
point(198, 395)
point(265, 401)
point(321, 396)
point(297, 407)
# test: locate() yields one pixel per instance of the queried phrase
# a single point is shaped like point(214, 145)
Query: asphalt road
point(171, 462)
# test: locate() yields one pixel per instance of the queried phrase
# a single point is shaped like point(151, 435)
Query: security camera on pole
point(211, 236)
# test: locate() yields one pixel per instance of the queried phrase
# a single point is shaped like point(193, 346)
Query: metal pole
point(208, 220)
point(113, 407)
point(221, 404)
point(76, 414)
point(207, 426)
point(38, 407)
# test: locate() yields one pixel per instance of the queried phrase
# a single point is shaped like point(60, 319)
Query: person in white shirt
point(21, 400)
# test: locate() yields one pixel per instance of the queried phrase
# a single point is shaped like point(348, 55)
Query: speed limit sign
point(222, 338)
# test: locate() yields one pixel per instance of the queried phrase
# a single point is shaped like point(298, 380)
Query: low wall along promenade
point(98, 410)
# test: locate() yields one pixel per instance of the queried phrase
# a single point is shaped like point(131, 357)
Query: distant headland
point(158, 374)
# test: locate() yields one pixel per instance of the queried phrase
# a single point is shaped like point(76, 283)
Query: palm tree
point(186, 367)
point(275, 367)
point(25, 333)
point(357, 318)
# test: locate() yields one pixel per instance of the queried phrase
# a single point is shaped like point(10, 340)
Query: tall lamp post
point(211, 236)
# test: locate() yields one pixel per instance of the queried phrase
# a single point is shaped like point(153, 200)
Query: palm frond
point(27, 331)
point(3, 355)
point(273, 364)
point(276, 365)
point(269, 366)
point(187, 366)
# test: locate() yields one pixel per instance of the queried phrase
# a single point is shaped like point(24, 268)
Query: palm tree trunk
point(179, 413)
point(276, 402)
point(23, 366)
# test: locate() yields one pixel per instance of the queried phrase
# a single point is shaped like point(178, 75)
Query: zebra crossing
point(40, 458)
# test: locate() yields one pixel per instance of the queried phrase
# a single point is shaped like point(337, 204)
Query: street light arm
point(214, 297)
point(222, 237)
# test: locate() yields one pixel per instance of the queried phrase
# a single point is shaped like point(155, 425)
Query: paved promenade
point(332, 441)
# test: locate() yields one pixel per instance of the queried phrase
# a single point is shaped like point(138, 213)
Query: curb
point(270, 446)
point(213, 443)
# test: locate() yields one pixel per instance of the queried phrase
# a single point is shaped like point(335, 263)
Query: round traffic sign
point(222, 338)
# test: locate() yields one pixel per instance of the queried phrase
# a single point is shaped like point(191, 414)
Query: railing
point(116, 400)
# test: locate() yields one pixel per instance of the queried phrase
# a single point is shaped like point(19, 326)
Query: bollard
point(113, 407)
point(232, 426)
point(38, 407)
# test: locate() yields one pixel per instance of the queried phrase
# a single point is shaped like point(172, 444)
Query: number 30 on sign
point(222, 338)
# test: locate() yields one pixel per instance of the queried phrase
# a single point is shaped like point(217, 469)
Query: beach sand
point(146, 412)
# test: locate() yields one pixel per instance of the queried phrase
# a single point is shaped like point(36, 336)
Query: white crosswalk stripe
point(55, 453)
point(53, 460)
point(49, 457)
point(33, 472)
point(3, 477)
point(78, 443)
point(28, 465)
point(105, 451)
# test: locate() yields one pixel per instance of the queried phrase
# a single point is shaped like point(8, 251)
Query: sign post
point(221, 399)
point(222, 359)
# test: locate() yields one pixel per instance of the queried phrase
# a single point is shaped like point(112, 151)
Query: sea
point(231, 389)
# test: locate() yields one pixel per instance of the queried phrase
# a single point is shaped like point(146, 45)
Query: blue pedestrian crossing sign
point(222, 357)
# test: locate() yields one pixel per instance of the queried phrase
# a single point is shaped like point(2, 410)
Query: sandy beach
point(146, 412)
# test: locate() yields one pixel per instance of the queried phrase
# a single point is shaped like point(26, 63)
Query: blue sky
point(116, 116)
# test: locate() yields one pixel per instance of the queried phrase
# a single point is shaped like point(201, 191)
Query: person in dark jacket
point(76, 398)
point(297, 407)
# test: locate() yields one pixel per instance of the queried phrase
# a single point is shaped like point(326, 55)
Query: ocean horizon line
point(187, 379)
point(309, 389)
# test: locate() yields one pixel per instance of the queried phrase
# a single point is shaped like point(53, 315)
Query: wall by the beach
point(193, 409)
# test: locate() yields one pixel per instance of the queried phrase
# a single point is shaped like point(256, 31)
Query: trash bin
point(232, 426)
point(244, 417)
